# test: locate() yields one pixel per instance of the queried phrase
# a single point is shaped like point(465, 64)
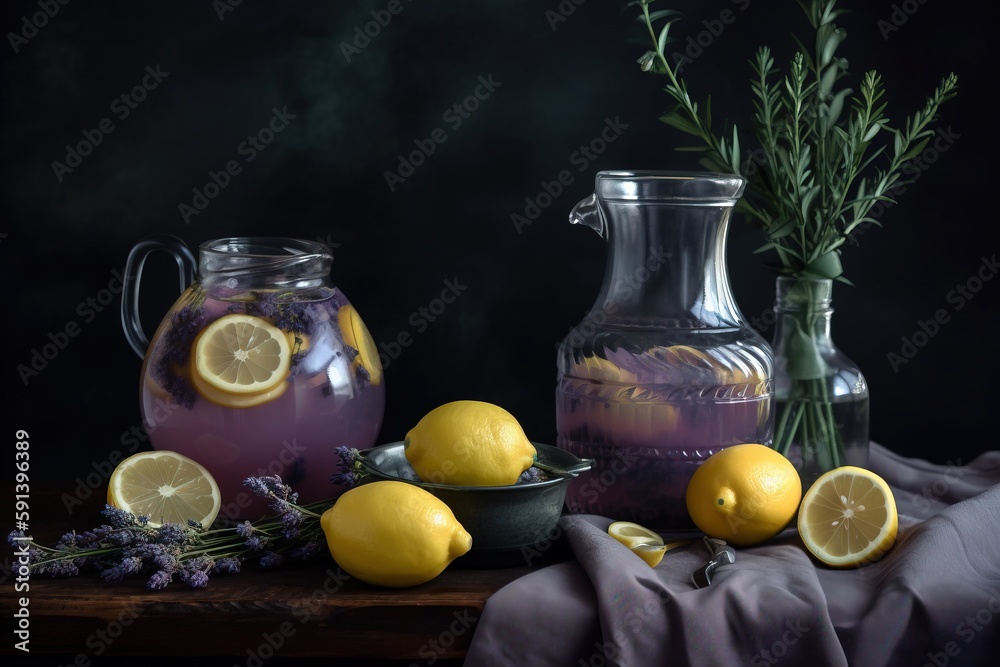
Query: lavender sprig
point(127, 546)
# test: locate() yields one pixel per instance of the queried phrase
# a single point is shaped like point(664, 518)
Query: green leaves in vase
point(821, 170)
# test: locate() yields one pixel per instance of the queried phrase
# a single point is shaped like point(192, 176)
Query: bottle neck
point(666, 266)
point(803, 307)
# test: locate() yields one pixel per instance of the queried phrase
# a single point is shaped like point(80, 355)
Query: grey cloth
point(933, 599)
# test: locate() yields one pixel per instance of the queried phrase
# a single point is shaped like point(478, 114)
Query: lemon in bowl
point(469, 443)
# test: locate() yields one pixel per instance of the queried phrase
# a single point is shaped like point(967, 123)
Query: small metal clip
point(721, 553)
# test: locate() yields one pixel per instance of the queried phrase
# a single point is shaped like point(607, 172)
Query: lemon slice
point(357, 336)
point(166, 487)
point(230, 400)
point(642, 541)
point(848, 517)
point(242, 354)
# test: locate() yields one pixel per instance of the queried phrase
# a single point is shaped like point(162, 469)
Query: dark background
point(323, 178)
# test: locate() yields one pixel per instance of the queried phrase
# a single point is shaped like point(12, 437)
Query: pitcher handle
point(186, 266)
point(587, 212)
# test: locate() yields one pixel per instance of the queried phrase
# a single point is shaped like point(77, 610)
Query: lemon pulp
point(166, 487)
point(848, 517)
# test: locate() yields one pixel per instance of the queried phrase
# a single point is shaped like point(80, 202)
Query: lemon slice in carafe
point(240, 361)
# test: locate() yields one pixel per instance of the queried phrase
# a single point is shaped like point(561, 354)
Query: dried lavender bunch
point(128, 546)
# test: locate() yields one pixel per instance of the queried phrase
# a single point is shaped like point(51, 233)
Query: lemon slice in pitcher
point(242, 354)
point(357, 336)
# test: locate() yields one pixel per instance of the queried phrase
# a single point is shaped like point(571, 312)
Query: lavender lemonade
point(648, 417)
point(262, 367)
point(663, 372)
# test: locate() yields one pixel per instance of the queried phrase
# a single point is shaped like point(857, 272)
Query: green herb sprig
point(816, 181)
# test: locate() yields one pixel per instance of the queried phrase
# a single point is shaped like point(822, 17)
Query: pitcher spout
point(588, 213)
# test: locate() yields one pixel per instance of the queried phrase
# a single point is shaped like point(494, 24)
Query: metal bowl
point(501, 519)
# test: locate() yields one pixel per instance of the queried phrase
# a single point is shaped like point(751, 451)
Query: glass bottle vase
point(821, 397)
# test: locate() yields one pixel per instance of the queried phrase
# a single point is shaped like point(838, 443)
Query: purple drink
point(330, 395)
point(648, 424)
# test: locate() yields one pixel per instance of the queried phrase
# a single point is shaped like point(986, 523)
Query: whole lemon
point(744, 494)
point(393, 534)
point(469, 443)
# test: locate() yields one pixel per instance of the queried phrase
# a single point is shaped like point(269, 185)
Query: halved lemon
point(644, 543)
point(357, 336)
point(166, 487)
point(848, 517)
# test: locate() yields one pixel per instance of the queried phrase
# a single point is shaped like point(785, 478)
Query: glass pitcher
point(261, 367)
point(663, 371)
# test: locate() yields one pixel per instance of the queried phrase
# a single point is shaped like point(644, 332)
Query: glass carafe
point(663, 371)
point(261, 367)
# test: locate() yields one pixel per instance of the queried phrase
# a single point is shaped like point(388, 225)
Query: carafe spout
point(587, 212)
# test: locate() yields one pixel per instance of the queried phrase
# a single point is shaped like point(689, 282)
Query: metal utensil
point(722, 554)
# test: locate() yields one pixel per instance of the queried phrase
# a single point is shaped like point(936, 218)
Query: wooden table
point(308, 609)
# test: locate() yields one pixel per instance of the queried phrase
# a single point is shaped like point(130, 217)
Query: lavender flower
point(256, 543)
point(306, 551)
point(170, 533)
point(290, 521)
point(349, 467)
point(159, 580)
point(271, 560)
point(198, 579)
point(127, 546)
point(244, 529)
point(227, 566)
point(532, 474)
point(173, 350)
point(119, 518)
